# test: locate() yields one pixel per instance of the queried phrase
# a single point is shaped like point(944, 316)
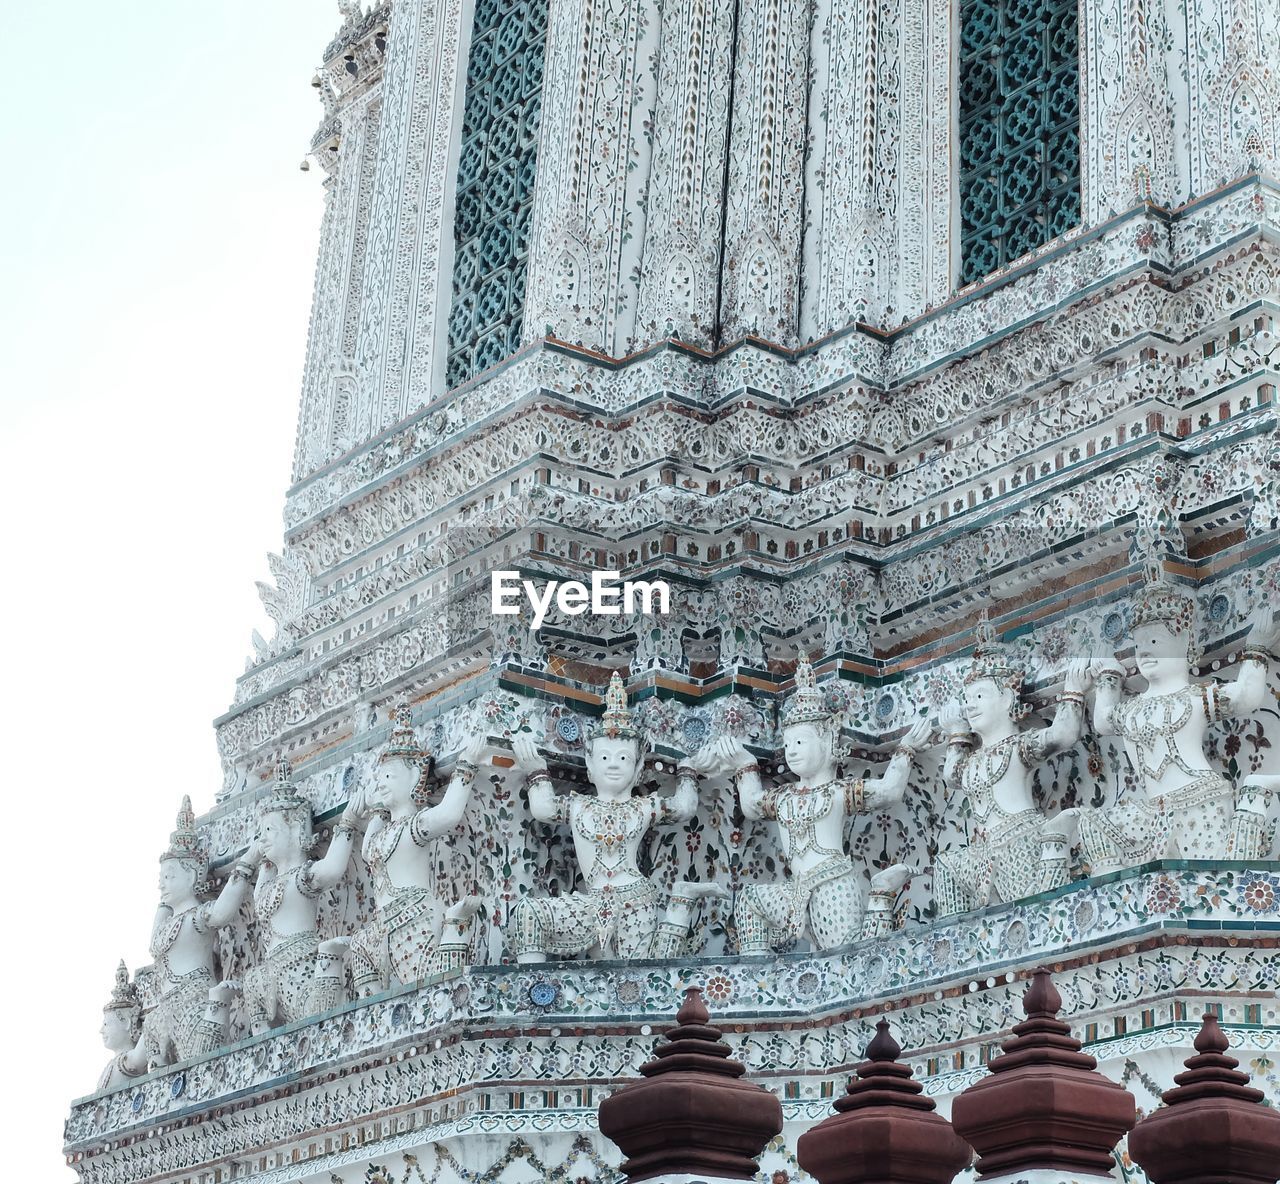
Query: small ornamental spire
point(286, 799)
point(1044, 1104)
point(693, 1114)
point(124, 994)
point(1161, 602)
point(404, 740)
point(618, 721)
point(807, 704)
point(994, 661)
point(184, 841)
point(1213, 1125)
point(883, 1129)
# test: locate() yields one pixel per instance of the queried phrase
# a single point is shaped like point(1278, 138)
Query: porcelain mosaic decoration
point(928, 353)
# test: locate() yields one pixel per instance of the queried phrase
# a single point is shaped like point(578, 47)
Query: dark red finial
point(1212, 1126)
point(691, 1114)
point(883, 1128)
point(1211, 1037)
point(1044, 1105)
point(1041, 998)
point(693, 1010)
point(883, 1046)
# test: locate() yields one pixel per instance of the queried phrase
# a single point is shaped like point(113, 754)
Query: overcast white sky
point(156, 261)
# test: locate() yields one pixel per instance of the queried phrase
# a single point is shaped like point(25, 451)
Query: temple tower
point(874, 330)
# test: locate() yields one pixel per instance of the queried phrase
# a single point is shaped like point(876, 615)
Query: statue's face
point(987, 704)
point(614, 765)
point(177, 882)
point(115, 1029)
point(808, 750)
point(395, 783)
point(1159, 651)
point(280, 840)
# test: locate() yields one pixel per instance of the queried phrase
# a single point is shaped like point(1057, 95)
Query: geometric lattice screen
point(1019, 129)
point(496, 170)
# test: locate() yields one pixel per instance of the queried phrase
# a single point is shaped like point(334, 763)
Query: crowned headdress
point(404, 746)
point(286, 799)
point(184, 843)
point(997, 663)
point(808, 704)
point(1160, 602)
point(618, 721)
point(124, 997)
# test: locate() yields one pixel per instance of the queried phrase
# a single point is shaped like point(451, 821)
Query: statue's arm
point(1107, 679)
point(325, 873)
point(751, 793)
point(1068, 720)
point(544, 805)
point(891, 785)
point(683, 804)
point(959, 746)
point(1066, 729)
point(433, 821)
point(222, 912)
point(1249, 690)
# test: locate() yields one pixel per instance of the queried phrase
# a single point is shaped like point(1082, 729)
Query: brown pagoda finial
point(1213, 1125)
point(883, 1129)
point(692, 1114)
point(1044, 1104)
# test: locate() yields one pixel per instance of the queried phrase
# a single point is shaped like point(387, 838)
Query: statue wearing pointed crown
point(190, 1015)
point(616, 915)
point(413, 934)
point(1012, 850)
point(823, 898)
point(1184, 808)
point(121, 1027)
point(293, 978)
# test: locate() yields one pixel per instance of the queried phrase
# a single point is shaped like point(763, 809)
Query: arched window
point(1019, 129)
point(494, 200)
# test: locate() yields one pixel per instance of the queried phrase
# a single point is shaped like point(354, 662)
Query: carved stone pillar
point(680, 274)
point(764, 211)
point(401, 341)
point(593, 158)
point(850, 255)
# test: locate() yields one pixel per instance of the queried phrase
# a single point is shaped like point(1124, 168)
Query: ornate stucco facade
point(673, 289)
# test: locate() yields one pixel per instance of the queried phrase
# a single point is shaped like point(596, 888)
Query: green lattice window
point(496, 169)
point(1019, 129)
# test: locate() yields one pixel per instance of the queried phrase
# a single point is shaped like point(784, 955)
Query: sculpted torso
point(811, 822)
point(606, 838)
point(996, 779)
point(1165, 726)
point(181, 936)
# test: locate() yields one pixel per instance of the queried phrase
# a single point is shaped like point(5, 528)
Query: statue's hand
point(732, 755)
point(1077, 678)
point(356, 808)
point(893, 878)
point(528, 759)
point(1103, 667)
point(1264, 630)
point(953, 720)
point(473, 751)
point(918, 737)
point(705, 760)
point(255, 853)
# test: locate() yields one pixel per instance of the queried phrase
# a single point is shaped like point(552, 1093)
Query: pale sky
point(155, 282)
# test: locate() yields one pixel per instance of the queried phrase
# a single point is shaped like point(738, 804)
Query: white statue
point(292, 978)
point(1185, 808)
point(414, 934)
point(121, 1027)
point(190, 1015)
point(822, 899)
point(1005, 851)
point(617, 914)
